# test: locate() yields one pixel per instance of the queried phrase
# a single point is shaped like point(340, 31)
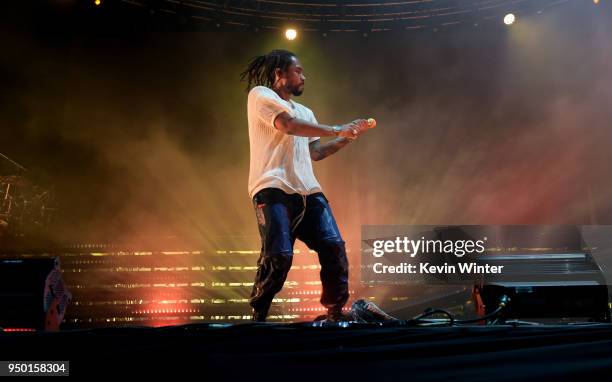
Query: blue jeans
point(282, 218)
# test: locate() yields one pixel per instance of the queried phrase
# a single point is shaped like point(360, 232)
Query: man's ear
point(277, 74)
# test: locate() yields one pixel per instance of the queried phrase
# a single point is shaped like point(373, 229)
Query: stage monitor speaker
point(550, 286)
point(32, 294)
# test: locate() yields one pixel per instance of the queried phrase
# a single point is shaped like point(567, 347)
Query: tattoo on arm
point(320, 150)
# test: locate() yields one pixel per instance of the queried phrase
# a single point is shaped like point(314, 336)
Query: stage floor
point(299, 352)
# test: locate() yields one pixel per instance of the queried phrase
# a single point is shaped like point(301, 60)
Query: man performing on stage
point(289, 203)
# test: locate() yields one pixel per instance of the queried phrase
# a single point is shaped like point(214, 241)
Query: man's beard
point(297, 91)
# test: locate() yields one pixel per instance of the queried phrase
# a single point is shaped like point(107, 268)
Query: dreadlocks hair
point(260, 70)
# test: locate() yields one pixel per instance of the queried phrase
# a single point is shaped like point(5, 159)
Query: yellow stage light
point(290, 34)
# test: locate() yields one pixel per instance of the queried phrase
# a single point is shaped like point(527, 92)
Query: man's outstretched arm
point(300, 127)
point(295, 126)
point(320, 150)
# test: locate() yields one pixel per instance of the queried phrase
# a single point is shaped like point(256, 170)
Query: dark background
point(141, 131)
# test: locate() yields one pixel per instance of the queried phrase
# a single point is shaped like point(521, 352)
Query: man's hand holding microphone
point(354, 129)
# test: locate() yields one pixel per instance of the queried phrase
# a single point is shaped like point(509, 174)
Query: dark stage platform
point(302, 352)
